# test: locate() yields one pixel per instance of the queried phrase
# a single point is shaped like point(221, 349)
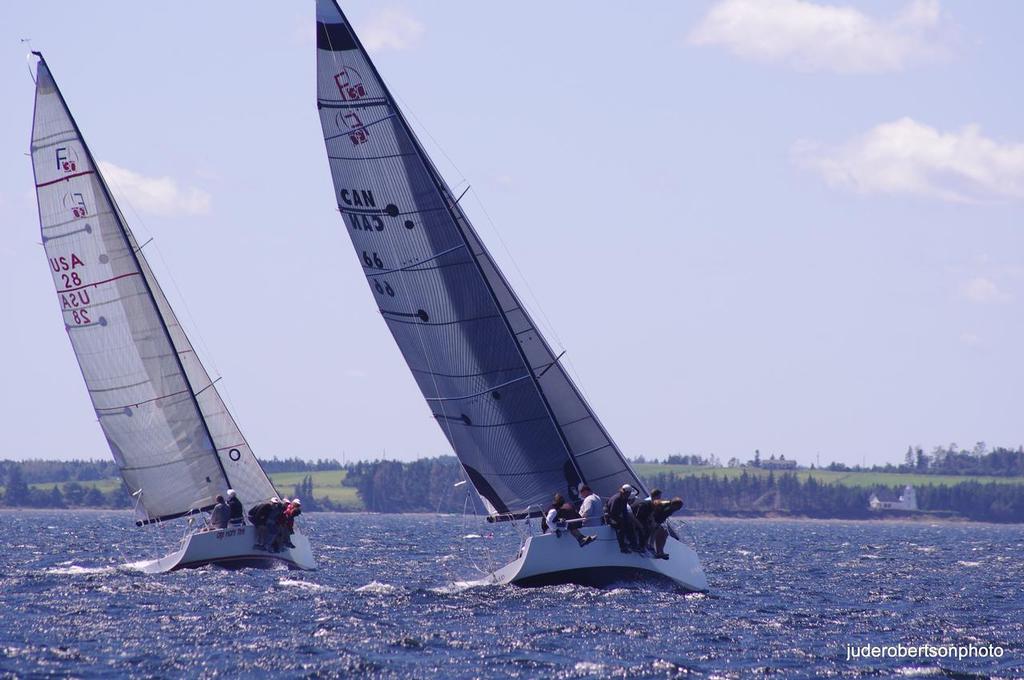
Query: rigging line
point(208, 387)
point(548, 367)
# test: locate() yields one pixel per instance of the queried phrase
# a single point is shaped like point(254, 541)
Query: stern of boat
point(549, 559)
point(231, 548)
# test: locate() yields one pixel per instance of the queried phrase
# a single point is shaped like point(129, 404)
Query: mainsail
point(170, 433)
point(514, 417)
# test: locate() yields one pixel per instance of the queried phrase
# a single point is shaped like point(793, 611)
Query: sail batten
point(138, 366)
point(522, 430)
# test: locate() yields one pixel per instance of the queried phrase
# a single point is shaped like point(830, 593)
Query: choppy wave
point(378, 588)
point(402, 597)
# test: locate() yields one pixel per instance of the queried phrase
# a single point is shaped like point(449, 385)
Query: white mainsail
point(168, 428)
point(514, 417)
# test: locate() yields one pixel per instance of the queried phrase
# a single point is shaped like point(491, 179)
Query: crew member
point(237, 511)
point(621, 518)
point(560, 512)
point(643, 511)
point(592, 509)
point(662, 511)
point(220, 514)
point(293, 510)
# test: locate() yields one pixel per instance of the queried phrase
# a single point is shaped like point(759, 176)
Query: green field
point(859, 479)
point(105, 485)
point(326, 484)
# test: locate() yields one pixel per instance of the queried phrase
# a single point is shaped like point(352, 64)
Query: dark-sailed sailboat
point(514, 417)
point(175, 443)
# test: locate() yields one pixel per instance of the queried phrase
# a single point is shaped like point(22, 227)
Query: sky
point(790, 226)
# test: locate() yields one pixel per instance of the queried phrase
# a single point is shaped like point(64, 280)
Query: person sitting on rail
point(560, 512)
point(274, 526)
point(621, 518)
point(237, 511)
point(643, 511)
point(662, 511)
point(293, 510)
point(592, 509)
point(220, 514)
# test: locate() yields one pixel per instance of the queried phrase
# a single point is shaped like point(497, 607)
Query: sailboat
point(517, 422)
point(174, 441)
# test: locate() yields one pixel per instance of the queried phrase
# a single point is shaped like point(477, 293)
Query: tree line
point(432, 485)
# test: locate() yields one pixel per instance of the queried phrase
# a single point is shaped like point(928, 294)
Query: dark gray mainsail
point(171, 435)
point(514, 417)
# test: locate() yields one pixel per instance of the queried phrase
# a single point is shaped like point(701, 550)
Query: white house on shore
point(907, 501)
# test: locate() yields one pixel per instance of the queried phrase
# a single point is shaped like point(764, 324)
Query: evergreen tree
point(16, 492)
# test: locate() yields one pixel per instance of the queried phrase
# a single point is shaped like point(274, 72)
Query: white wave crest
point(378, 588)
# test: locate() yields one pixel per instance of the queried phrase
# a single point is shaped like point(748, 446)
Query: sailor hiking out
point(562, 515)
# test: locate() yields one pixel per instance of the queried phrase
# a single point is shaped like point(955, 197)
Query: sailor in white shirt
point(592, 509)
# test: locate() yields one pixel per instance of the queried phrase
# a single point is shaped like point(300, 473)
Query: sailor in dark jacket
point(259, 515)
point(662, 511)
point(621, 518)
point(237, 511)
point(644, 513)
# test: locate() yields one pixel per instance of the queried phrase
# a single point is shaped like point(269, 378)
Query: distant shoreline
point(907, 518)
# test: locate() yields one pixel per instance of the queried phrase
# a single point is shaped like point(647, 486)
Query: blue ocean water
point(390, 600)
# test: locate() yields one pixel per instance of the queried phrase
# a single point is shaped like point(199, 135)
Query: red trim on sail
point(98, 283)
point(61, 179)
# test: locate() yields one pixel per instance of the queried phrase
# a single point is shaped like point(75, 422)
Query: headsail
point(166, 425)
point(514, 417)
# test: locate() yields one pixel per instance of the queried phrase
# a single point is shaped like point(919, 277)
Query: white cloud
point(813, 37)
point(983, 291)
point(394, 29)
point(155, 195)
point(907, 157)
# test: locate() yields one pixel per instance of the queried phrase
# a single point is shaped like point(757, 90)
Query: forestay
point(162, 417)
point(512, 414)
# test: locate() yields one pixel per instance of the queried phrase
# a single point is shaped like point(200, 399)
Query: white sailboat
point(514, 417)
point(174, 441)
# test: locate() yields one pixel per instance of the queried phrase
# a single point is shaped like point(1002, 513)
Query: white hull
point(549, 559)
point(231, 547)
